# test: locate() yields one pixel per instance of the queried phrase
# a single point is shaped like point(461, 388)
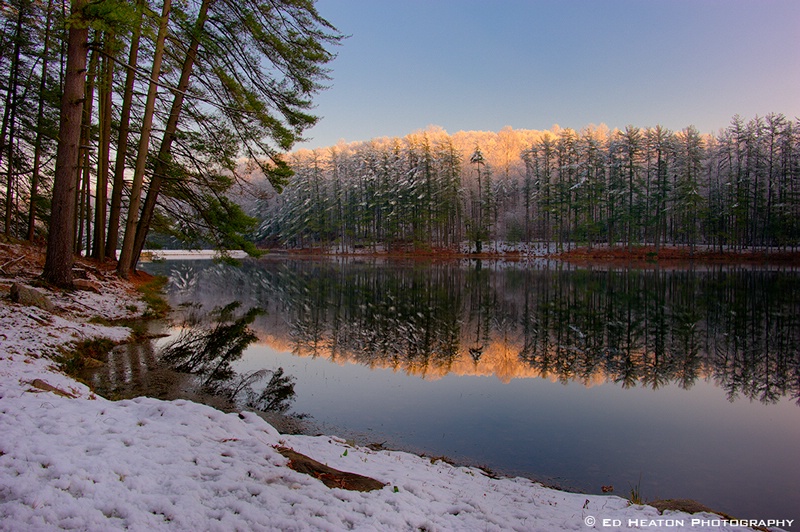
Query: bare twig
point(8, 263)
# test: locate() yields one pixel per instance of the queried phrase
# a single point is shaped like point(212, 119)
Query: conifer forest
point(737, 189)
point(120, 120)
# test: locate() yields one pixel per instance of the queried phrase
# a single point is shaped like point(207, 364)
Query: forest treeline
point(118, 116)
point(737, 189)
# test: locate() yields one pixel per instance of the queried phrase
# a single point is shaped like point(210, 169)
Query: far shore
point(641, 255)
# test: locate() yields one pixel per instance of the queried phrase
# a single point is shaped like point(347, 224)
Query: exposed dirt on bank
point(647, 256)
point(637, 256)
point(25, 260)
point(406, 253)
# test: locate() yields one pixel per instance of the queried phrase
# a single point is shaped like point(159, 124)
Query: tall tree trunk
point(163, 162)
point(122, 141)
point(9, 115)
point(84, 194)
point(12, 70)
point(9, 214)
point(101, 194)
point(12, 99)
point(61, 237)
point(127, 254)
point(37, 148)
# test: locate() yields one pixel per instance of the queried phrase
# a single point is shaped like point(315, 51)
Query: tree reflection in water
point(739, 326)
point(208, 350)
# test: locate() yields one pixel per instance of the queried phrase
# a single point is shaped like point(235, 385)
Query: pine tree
point(61, 237)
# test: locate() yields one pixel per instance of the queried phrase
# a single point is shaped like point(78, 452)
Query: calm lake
point(683, 382)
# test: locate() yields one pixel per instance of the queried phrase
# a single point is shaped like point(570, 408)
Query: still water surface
point(685, 383)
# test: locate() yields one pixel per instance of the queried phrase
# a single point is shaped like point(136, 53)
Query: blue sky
point(529, 64)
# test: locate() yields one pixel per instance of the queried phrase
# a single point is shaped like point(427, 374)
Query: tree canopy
point(225, 80)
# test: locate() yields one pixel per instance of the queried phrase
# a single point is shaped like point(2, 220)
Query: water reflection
point(208, 346)
point(134, 369)
point(739, 326)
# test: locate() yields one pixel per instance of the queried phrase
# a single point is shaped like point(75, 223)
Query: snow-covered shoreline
point(71, 460)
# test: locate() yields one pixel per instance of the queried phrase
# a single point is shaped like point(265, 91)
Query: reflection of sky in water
point(737, 457)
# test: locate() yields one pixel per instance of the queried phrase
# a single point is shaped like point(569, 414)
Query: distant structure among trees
point(737, 189)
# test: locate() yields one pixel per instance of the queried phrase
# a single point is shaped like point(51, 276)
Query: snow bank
point(86, 463)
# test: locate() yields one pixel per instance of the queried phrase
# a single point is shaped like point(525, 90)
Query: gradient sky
point(529, 64)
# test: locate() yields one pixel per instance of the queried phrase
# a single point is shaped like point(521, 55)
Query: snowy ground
point(86, 463)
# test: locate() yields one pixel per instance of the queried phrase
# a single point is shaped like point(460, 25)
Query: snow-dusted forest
point(736, 189)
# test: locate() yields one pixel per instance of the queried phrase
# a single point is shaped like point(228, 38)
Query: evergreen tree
point(688, 198)
point(61, 237)
point(261, 66)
